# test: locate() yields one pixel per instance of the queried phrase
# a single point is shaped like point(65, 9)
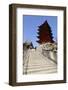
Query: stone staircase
point(39, 64)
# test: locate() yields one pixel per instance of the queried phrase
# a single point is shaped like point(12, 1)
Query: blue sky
point(31, 23)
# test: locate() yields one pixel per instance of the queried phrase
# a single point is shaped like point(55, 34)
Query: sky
point(30, 27)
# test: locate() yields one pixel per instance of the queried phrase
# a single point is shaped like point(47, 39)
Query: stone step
point(39, 64)
point(31, 67)
point(40, 68)
point(42, 71)
point(42, 65)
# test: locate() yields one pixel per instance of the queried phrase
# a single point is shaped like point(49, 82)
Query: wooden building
point(44, 33)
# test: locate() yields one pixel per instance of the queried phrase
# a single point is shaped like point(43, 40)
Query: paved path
point(39, 64)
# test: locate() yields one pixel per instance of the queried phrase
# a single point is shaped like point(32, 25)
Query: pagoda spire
point(44, 33)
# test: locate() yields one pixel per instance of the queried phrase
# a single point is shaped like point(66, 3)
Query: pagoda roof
point(45, 23)
point(38, 41)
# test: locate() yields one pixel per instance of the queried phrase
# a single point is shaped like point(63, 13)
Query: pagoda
point(44, 33)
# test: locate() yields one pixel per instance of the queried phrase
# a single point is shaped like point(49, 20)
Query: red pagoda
point(44, 33)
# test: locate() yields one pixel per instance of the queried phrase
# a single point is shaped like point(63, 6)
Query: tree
point(27, 45)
